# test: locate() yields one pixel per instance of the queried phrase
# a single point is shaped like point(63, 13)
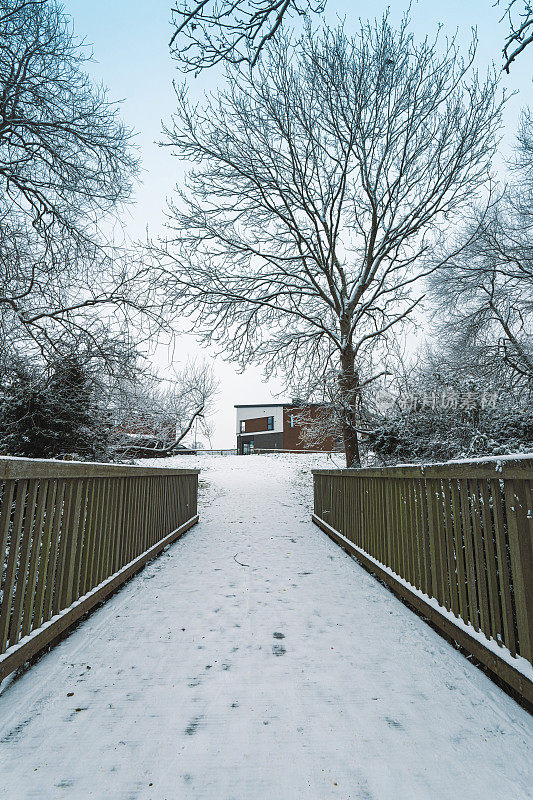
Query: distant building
point(274, 426)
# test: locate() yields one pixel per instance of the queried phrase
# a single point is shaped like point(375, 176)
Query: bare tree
point(321, 185)
point(65, 155)
point(322, 424)
point(520, 33)
point(484, 295)
point(207, 32)
point(152, 416)
point(64, 297)
point(65, 162)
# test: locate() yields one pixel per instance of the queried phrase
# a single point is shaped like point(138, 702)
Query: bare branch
point(520, 31)
point(207, 32)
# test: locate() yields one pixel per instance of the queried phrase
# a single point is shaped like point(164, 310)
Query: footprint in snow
point(192, 727)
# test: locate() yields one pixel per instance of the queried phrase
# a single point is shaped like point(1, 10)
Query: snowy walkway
point(296, 677)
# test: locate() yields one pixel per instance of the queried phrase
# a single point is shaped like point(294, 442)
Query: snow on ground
point(292, 674)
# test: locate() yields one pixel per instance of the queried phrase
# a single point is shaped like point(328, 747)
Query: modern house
point(274, 426)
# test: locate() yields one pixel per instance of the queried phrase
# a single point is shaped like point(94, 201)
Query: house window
point(243, 426)
point(291, 421)
point(270, 423)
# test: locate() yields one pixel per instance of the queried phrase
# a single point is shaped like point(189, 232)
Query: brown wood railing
point(455, 540)
point(71, 533)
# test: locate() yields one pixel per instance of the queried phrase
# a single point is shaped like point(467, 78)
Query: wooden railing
point(453, 539)
point(71, 533)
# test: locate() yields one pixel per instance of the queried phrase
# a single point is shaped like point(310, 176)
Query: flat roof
point(263, 405)
point(278, 405)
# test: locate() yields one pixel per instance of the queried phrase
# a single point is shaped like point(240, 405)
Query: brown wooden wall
point(255, 425)
point(291, 436)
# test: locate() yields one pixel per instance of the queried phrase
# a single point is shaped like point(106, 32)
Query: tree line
point(342, 189)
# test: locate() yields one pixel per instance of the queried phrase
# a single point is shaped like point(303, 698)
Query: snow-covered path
point(290, 675)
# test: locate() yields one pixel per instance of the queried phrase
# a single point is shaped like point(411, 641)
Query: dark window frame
point(270, 423)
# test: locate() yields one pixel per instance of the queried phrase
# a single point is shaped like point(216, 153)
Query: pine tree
point(50, 413)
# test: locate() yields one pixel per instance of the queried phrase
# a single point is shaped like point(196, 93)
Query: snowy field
point(254, 660)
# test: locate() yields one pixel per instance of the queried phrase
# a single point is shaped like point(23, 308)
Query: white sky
point(130, 42)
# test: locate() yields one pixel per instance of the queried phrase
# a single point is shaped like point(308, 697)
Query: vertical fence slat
point(88, 556)
point(52, 572)
point(411, 532)
point(426, 538)
point(441, 545)
point(46, 554)
point(29, 599)
point(81, 546)
point(492, 581)
point(402, 525)
point(460, 559)
point(101, 532)
point(62, 556)
point(434, 544)
point(479, 557)
point(520, 525)
point(419, 556)
point(503, 567)
point(5, 519)
point(73, 529)
point(9, 582)
point(473, 607)
point(24, 557)
point(450, 548)
point(413, 516)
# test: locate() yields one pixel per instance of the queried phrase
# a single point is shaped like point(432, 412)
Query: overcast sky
point(130, 43)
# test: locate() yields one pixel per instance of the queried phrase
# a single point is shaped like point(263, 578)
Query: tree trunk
point(349, 390)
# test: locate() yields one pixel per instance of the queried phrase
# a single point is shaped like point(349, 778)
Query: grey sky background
point(131, 58)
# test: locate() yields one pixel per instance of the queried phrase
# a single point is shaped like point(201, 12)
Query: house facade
point(274, 426)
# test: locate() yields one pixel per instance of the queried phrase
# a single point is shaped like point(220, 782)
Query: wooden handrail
point(13, 468)
point(497, 467)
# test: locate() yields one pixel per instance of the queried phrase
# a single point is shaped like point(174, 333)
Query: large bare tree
point(322, 182)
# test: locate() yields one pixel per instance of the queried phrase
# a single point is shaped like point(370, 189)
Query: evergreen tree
point(50, 413)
